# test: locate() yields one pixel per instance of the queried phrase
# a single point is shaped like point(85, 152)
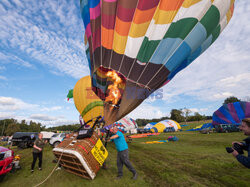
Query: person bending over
point(122, 153)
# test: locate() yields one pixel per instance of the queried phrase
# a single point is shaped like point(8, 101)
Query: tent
point(231, 113)
point(149, 125)
point(126, 124)
point(162, 125)
point(200, 127)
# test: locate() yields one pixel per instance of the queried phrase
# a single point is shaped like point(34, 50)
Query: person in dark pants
point(245, 127)
point(122, 153)
point(38, 152)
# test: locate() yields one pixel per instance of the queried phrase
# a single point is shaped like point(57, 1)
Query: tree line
point(183, 115)
point(9, 126)
point(179, 115)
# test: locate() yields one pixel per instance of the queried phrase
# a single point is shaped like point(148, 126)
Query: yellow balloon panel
point(160, 127)
point(86, 102)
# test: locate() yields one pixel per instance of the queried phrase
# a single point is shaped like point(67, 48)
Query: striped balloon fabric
point(126, 124)
point(147, 42)
point(231, 113)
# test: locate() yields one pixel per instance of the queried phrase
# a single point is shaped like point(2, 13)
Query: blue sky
point(42, 57)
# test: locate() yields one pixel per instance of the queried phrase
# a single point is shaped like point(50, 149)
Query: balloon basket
point(82, 157)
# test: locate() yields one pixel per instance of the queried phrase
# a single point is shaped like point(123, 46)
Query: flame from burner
point(114, 92)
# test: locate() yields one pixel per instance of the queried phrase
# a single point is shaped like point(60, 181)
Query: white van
point(56, 139)
point(47, 135)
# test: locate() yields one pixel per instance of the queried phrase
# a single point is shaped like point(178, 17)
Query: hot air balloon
point(135, 47)
point(232, 113)
point(162, 125)
point(87, 103)
point(126, 124)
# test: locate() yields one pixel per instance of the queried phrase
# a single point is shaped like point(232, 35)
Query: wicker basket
point(76, 155)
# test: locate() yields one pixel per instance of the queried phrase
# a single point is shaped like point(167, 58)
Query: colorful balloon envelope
point(126, 124)
point(145, 43)
point(87, 103)
point(232, 113)
point(162, 125)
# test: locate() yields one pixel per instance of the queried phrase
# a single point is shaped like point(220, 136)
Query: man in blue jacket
point(123, 154)
point(245, 127)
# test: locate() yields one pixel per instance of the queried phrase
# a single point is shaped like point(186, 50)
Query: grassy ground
point(195, 160)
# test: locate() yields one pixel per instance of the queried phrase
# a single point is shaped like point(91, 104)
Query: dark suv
point(24, 139)
point(227, 128)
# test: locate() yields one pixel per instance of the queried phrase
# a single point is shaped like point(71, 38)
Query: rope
point(54, 167)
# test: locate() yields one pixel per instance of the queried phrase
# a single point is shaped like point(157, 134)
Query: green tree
point(34, 127)
point(197, 116)
point(176, 115)
point(12, 128)
point(231, 99)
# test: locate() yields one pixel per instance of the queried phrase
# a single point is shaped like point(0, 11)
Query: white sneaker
point(58, 168)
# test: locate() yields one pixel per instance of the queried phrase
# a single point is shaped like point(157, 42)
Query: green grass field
point(195, 160)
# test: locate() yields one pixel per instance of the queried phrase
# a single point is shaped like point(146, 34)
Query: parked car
point(24, 139)
point(56, 139)
point(206, 131)
point(227, 128)
point(47, 135)
point(6, 159)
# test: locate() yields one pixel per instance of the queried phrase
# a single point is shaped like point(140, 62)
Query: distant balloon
point(231, 113)
point(162, 125)
point(126, 124)
point(145, 43)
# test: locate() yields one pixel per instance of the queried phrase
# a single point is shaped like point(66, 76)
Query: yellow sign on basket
point(99, 152)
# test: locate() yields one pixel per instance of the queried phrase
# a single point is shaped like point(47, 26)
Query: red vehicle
point(6, 159)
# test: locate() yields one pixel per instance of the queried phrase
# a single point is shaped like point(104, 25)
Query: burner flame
point(114, 92)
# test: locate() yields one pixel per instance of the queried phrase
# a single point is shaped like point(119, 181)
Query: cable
point(54, 167)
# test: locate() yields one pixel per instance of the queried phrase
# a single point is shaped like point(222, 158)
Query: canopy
point(231, 113)
point(159, 127)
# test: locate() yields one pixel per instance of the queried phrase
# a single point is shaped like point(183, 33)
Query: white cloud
point(13, 104)
point(3, 78)
point(16, 108)
point(2, 68)
point(6, 115)
point(233, 81)
point(223, 70)
point(54, 108)
point(199, 110)
point(222, 95)
point(43, 117)
point(11, 58)
point(147, 111)
point(49, 32)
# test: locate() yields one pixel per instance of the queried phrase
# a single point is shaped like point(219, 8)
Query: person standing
point(38, 152)
point(245, 127)
point(122, 153)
